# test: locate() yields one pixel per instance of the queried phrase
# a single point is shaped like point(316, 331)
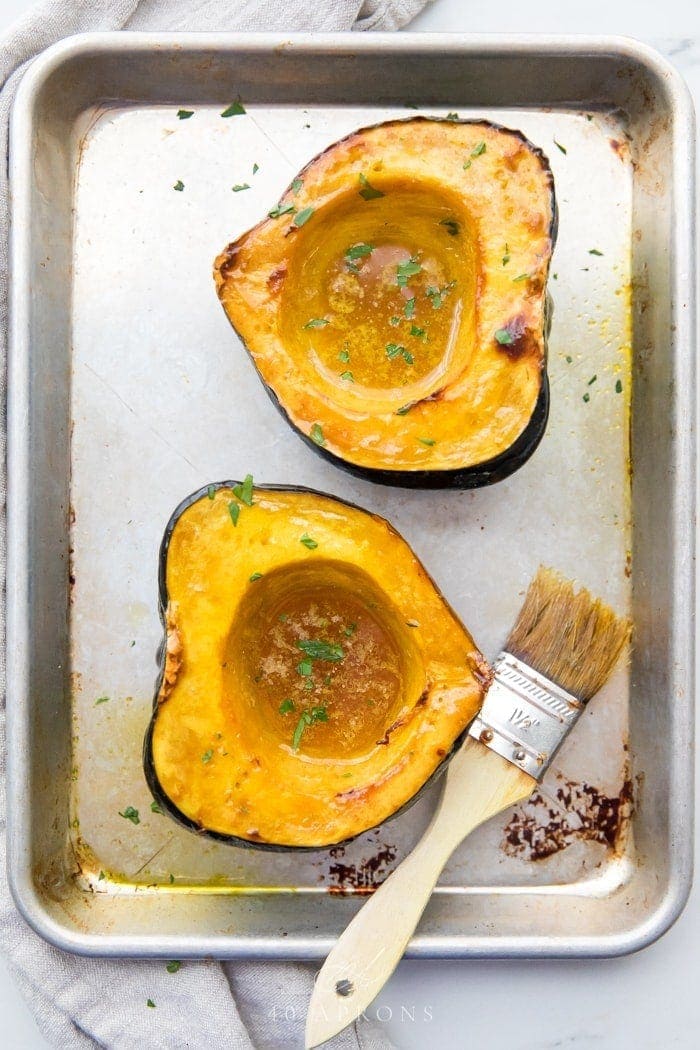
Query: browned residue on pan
point(620, 147)
point(573, 812)
point(363, 876)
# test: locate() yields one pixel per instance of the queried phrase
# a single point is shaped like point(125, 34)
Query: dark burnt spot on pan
point(573, 812)
point(362, 876)
point(619, 147)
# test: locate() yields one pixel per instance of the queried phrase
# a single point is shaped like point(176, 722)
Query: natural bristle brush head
point(568, 636)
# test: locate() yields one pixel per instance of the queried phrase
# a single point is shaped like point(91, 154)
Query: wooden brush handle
point(478, 785)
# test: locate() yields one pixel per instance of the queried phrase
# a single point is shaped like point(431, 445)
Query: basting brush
point(560, 652)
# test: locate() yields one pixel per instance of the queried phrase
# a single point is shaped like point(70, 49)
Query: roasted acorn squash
point(394, 301)
point(313, 679)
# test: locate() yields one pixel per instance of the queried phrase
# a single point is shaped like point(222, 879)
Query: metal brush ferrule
point(525, 717)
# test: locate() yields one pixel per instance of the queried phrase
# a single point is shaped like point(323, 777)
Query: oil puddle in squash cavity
point(319, 665)
point(379, 290)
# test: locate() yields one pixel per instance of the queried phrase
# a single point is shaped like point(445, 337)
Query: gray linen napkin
point(87, 1002)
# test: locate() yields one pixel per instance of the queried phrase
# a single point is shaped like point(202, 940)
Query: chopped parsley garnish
point(101, 700)
point(594, 251)
point(348, 377)
point(316, 434)
point(149, 1002)
point(281, 209)
point(303, 216)
point(286, 706)
point(316, 650)
point(297, 183)
point(452, 116)
point(317, 322)
point(569, 359)
point(305, 668)
point(350, 630)
point(283, 618)
point(308, 542)
point(234, 510)
point(394, 321)
point(155, 808)
point(244, 490)
point(211, 491)
point(592, 380)
point(240, 186)
point(407, 269)
point(418, 333)
point(131, 814)
point(256, 168)
point(255, 576)
point(173, 966)
point(559, 146)
point(586, 397)
point(405, 409)
point(101, 876)
point(409, 308)
point(367, 191)
point(521, 277)
point(451, 225)
point(236, 109)
point(504, 337)
point(179, 186)
point(171, 878)
point(185, 114)
point(308, 684)
point(437, 296)
point(359, 251)
point(298, 732)
point(207, 756)
point(316, 714)
point(427, 441)
point(396, 350)
point(506, 256)
point(343, 356)
point(618, 386)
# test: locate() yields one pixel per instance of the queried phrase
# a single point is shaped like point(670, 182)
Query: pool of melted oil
point(379, 290)
point(320, 666)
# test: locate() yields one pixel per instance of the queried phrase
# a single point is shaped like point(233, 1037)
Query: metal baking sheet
point(128, 390)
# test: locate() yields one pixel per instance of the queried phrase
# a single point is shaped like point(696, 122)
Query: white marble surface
point(649, 1000)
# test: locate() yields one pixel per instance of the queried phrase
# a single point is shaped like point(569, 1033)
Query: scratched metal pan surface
point(129, 390)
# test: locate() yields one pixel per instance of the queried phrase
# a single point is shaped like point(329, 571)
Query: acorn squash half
point(313, 679)
point(394, 301)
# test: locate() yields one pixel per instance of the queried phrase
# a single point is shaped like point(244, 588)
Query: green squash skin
point(476, 475)
point(159, 795)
